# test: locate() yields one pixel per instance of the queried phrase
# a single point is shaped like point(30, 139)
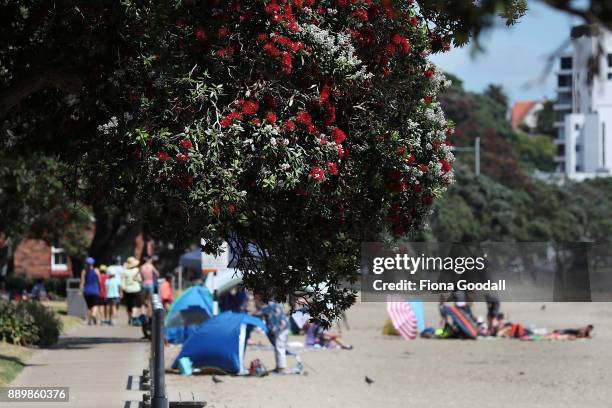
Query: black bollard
point(158, 398)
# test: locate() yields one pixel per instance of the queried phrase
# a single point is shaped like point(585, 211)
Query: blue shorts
point(147, 290)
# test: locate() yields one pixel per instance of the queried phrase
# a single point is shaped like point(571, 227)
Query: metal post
point(158, 397)
point(180, 278)
point(477, 156)
point(215, 294)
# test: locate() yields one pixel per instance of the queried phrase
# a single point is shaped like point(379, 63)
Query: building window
point(564, 98)
point(577, 148)
point(576, 127)
point(561, 150)
point(566, 62)
point(59, 259)
point(610, 60)
point(564, 81)
point(610, 75)
point(577, 167)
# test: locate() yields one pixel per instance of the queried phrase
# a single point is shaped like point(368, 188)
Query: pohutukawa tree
point(294, 128)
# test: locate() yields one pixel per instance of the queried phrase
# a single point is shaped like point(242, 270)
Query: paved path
point(95, 362)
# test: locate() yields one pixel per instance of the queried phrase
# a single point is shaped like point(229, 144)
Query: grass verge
point(12, 360)
point(68, 322)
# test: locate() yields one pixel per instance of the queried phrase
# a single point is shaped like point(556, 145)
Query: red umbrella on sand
point(403, 319)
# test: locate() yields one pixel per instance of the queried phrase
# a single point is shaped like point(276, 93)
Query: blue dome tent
point(220, 342)
point(187, 314)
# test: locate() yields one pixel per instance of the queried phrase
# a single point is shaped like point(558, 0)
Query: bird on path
point(368, 380)
point(216, 380)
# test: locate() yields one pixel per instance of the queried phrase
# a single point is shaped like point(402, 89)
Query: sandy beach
point(426, 373)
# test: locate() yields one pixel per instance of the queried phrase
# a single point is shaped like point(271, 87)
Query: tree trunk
point(113, 234)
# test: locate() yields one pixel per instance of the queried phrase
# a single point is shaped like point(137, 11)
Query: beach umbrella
point(403, 319)
point(462, 320)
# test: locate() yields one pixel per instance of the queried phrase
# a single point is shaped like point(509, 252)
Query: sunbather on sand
point(571, 334)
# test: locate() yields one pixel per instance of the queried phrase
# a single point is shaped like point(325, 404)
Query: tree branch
point(68, 82)
point(564, 5)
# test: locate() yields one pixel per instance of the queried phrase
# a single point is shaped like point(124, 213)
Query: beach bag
point(257, 369)
point(517, 331)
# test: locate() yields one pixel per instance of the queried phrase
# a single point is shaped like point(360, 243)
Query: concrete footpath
point(101, 365)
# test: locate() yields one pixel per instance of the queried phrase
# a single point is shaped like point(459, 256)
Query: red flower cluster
point(289, 126)
point(401, 42)
point(182, 158)
point(324, 95)
point(330, 114)
point(305, 119)
point(271, 117)
point(186, 144)
point(284, 15)
point(228, 119)
point(283, 57)
point(200, 35)
point(250, 107)
point(226, 51)
point(338, 135)
point(317, 174)
point(287, 43)
point(341, 152)
point(361, 15)
point(162, 156)
point(446, 167)
point(332, 168)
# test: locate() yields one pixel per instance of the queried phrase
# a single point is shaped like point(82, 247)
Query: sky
point(515, 56)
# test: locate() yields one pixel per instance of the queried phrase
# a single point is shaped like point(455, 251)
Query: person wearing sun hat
point(130, 284)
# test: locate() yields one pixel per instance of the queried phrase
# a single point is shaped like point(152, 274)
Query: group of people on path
point(134, 283)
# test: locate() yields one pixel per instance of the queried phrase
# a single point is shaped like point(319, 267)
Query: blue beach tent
point(187, 314)
point(220, 342)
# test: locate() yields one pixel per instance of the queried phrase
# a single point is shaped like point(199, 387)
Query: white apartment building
point(584, 105)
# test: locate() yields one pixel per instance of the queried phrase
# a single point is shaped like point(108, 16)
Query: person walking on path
point(278, 331)
point(165, 291)
point(113, 296)
point(130, 284)
point(148, 276)
point(103, 300)
point(90, 287)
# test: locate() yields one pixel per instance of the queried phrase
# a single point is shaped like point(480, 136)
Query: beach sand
point(434, 373)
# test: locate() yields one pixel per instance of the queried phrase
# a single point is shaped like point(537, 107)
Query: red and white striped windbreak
point(403, 318)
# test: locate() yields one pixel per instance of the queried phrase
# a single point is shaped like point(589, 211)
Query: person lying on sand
point(572, 334)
